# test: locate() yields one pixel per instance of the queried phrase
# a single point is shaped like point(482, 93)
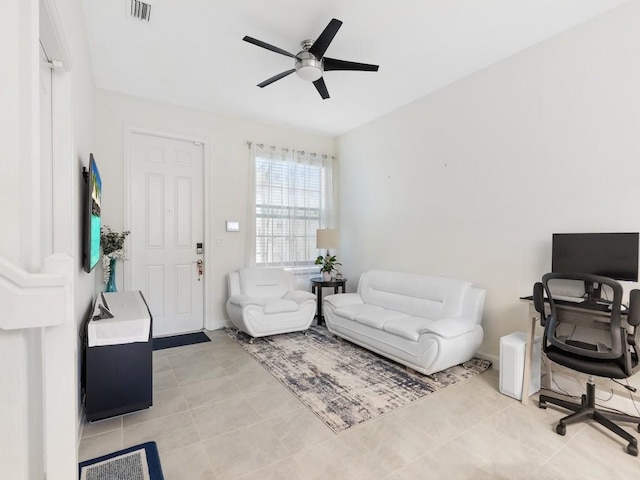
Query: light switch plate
point(233, 226)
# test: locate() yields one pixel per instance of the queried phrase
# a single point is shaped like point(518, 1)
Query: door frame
point(129, 132)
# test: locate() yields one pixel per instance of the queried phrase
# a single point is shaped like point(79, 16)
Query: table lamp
point(327, 238)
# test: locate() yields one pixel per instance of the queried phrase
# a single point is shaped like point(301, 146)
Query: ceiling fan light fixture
point(310, 62)
point(308, 67)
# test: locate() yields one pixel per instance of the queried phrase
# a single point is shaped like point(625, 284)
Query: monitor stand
point(593, 291)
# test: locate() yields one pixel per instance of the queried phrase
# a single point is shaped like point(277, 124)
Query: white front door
point(167, 224)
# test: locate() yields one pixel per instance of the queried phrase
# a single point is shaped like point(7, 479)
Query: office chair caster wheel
point(561, 429)
point(632, 449)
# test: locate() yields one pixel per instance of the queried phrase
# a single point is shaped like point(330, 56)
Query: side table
point(317, 285)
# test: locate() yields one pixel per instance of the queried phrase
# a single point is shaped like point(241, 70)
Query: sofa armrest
point(474, 304)
point(244, 300)
point(341, 299)
point(299, 296)
point(448, 327)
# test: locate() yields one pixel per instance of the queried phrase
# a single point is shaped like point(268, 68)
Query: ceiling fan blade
point(335, 64)
point(322, 88)
point(268, 46)
point(322, 42)
point(275, 78)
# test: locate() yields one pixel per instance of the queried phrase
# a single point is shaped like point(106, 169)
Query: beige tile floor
point(218, 414)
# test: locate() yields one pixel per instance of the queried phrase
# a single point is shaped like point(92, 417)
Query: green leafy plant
point(112, 242)
point(328, 263)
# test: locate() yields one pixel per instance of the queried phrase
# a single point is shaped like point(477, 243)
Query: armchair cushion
point(265, 282)
point(299, 296)
point(244, 300)
point(280, 306)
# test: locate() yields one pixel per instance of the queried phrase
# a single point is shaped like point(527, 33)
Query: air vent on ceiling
point(141, 10)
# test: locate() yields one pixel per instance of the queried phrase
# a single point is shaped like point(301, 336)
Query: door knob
point(200, 265)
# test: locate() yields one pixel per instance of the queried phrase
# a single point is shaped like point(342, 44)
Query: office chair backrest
point(634, 308)
point(538, 302)
point(633, 319)
point(557, 336)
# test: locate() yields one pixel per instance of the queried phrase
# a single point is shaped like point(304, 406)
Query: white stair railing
point(31, 300)
point(36, 300)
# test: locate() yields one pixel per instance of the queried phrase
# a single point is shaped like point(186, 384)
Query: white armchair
point(264, 301)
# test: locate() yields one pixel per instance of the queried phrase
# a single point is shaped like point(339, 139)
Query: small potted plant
point(328, 263)
point(112, 249)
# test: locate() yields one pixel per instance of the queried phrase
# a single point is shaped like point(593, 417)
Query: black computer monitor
point(613, 255)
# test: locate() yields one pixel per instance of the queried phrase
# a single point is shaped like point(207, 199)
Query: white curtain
point(291, 197)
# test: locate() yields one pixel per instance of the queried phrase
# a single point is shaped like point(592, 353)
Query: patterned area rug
point(134, 463)
point(342, 383)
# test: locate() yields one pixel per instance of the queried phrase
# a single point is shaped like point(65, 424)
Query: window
point(292, 200)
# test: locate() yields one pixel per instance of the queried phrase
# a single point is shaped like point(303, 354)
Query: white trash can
point(512, 353)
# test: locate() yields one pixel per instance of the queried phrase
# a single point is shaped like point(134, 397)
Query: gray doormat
point(140, 462)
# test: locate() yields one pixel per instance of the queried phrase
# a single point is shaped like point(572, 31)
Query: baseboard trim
point(217, 325)
point(494, 359)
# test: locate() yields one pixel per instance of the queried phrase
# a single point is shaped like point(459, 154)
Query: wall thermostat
point(233, 226)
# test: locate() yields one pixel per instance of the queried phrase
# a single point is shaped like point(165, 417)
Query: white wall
point(226, 139)
point(13, 351)
point(21, 369)
point(82, 118)
point(472, 180)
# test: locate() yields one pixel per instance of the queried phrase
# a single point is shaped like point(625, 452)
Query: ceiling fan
point(310, 62)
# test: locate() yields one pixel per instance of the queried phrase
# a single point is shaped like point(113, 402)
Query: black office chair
point(616, 357)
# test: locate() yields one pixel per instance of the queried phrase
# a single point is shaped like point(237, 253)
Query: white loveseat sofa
point(264, 301)
point(427, 323)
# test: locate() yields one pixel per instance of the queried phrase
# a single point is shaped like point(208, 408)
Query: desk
point(316, 287)
point(591, 316)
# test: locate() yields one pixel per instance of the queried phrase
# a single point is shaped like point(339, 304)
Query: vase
point(111, 283)
point(326, 276)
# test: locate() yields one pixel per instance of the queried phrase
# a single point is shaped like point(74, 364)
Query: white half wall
point(472, 180)
point(228, 157)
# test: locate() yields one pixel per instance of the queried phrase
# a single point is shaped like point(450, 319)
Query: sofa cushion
point(378, 318)
point(416, 295)
point(337, 300)
point(280, 306)
point(446, 328)
point(406, 328)
point(354, 310)
point(412, 328)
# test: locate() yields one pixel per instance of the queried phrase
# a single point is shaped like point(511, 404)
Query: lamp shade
point(327, 238)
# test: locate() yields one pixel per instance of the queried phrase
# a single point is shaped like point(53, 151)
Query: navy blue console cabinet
point(118, 358)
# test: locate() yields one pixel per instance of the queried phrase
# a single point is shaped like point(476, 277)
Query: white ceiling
point(191, 53)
